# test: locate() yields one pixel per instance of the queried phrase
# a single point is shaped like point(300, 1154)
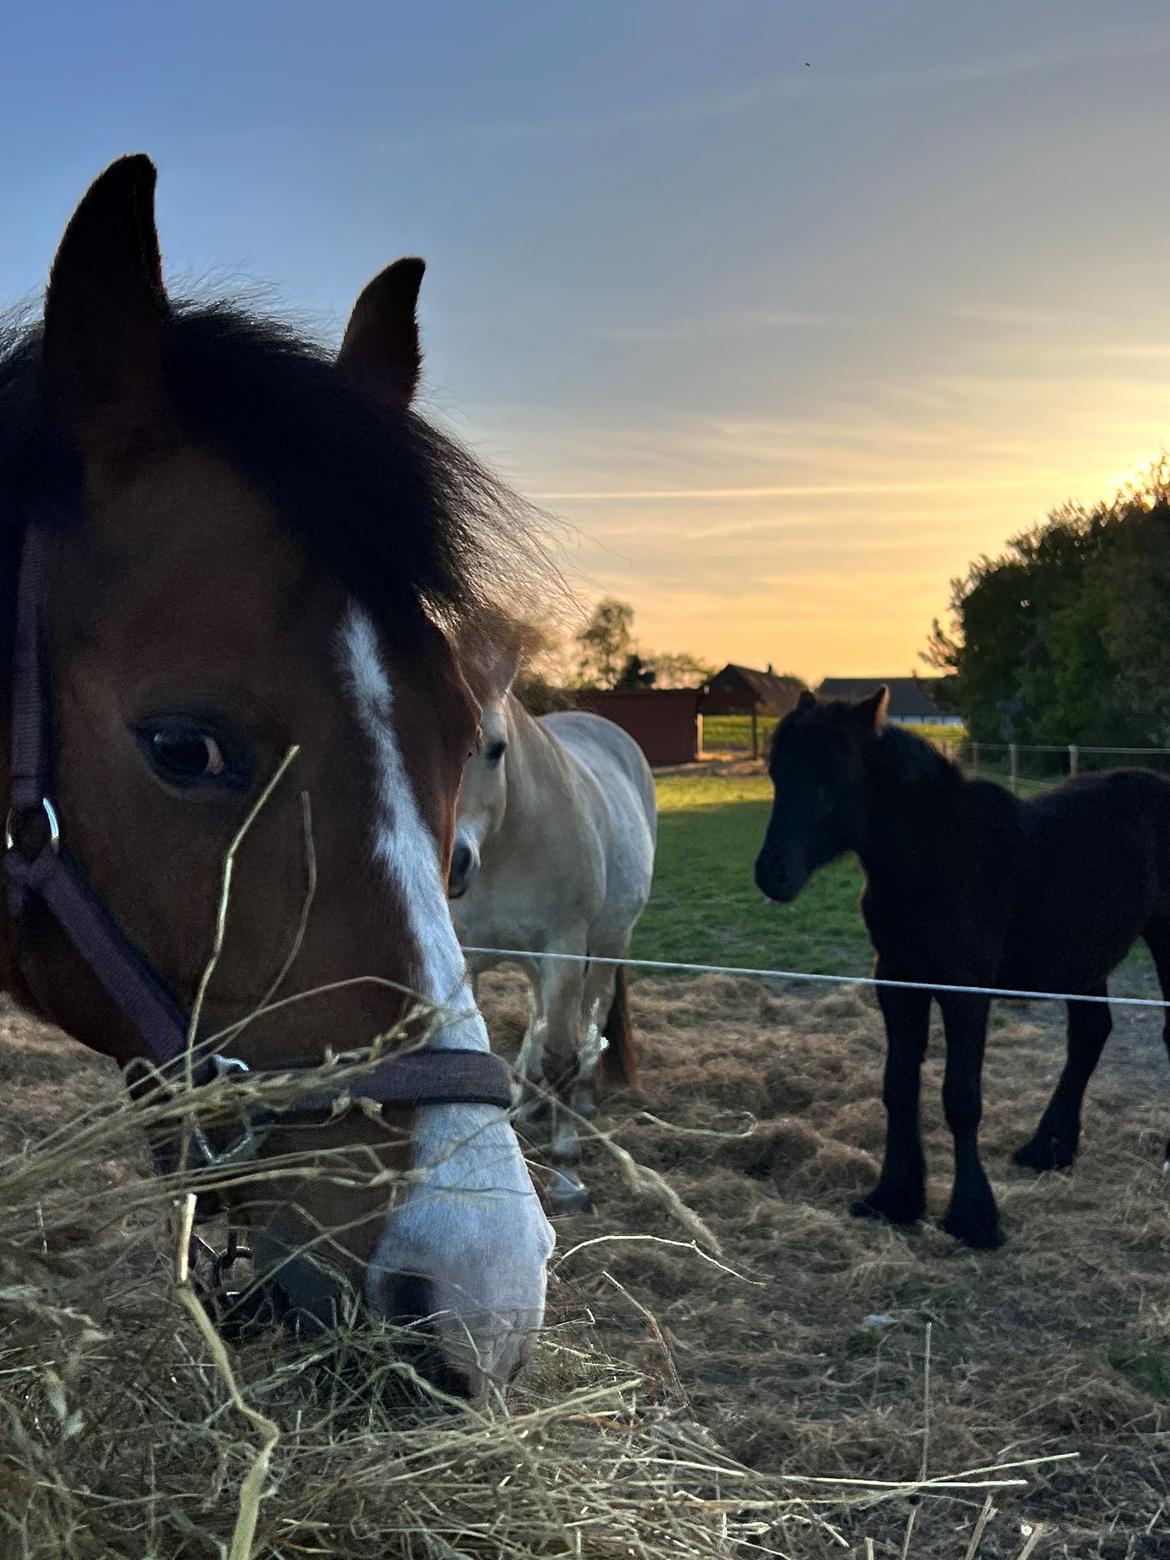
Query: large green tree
point(606, 642)
point(608, 655)
point(1065, 637)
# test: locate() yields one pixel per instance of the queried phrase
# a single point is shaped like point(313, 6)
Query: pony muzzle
point(778, 879)
point(464, 866)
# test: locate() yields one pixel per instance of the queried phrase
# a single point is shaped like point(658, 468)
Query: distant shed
point(739, 689)
point(743, 690)
point(664, 722)
point(914, 701)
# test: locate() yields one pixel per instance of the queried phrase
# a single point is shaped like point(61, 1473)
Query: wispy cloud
point(1138, 351)
point(1011, 315)
point(805, 85)
point(795, 86)
point(784, 490)
point(712, 326)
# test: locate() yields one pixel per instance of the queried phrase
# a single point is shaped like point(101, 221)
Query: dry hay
point(681, 1405)
point(126, 1429)
point(763, 1110)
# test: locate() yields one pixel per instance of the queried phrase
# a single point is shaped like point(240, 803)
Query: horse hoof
point(978, 1230)
point(568, 1196)
point(1044, 1155)
point(894, 1210)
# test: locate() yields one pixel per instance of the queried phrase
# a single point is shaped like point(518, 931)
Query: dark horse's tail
point(619, 1061)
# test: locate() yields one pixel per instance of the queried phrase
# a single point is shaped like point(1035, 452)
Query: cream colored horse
point(554, 853)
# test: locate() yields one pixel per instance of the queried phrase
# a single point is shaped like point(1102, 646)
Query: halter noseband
point(38, 866)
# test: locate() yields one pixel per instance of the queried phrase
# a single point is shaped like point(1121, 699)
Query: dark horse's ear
point(807, 700)
point(872, 711)
point(381, 346)
point(105, 317)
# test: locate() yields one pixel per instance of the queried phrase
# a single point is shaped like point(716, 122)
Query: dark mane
point(911, 760)
point(899, 754)
point(407, 520)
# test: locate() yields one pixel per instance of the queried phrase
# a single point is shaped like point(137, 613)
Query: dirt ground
point(804, 1354)
point(762, 1109)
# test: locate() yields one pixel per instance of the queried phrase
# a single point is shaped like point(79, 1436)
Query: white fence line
point(974, 754)
point(1050, 747)
point(836, 980)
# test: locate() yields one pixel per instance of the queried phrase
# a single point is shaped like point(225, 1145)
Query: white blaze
point(474, 1228)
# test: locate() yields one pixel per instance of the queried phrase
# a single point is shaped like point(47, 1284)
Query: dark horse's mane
point(400, 514)
point(899, 756)
point(910, 760)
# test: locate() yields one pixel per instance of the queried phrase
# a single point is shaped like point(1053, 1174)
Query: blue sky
point(789, 309)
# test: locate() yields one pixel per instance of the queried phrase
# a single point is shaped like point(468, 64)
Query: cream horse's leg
point(600, 981)
point(561, 999)
point(530, 1062)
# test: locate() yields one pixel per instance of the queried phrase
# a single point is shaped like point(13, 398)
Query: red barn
point(664, 722)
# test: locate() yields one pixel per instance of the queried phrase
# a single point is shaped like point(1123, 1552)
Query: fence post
point(1074, 759)
point(755, 734)
point(1014, 757)
point(975, 758)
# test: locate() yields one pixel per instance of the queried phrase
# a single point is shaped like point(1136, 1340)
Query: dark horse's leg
point(1054, 1143)
point(1157, 939)
point(972, 1216)
point(900, 1194)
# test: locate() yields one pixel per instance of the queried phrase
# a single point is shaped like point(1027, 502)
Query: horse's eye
point(186, 753)
point(496, 752)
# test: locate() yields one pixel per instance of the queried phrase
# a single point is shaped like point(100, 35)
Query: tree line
point(1064, 637)
point(603, 653)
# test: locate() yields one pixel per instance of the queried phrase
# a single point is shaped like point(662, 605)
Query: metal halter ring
point(253, 1137)
point(50, 814)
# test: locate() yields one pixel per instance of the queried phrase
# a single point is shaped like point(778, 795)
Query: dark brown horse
point(967, 885)
point(218, 545)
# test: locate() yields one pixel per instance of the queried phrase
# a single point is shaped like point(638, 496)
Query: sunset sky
point(788, 309)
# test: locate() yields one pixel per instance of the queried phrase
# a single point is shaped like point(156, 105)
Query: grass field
point(733, 733)
point(706, 908)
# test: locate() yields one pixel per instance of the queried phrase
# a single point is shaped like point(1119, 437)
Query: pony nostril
point(462, 867)
point(774, 881)
point(405, 1300)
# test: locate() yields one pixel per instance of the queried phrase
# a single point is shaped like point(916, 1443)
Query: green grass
point(705, 907)
point(733, 733)
point(1146, 1368)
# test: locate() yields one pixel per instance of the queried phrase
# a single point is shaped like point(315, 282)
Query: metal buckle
point(253, 1138)
point(50, 816)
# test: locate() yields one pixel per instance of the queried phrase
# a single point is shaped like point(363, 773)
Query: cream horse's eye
point(496, 752)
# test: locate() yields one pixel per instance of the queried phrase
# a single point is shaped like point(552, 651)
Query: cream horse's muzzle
point(464, 866)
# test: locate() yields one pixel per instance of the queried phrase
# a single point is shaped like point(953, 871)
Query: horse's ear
point(105, 317)
point(872, 710)
point(504, 669)
point(807, 700)
point(381, 345)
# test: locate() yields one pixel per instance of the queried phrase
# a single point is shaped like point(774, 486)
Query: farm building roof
point(774, 691)
point(911, 698)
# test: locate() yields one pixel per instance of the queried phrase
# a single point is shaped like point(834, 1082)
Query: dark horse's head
point(250, 547)
point(818, 767)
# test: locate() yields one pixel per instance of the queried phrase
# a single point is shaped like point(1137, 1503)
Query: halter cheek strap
point(39, 867)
